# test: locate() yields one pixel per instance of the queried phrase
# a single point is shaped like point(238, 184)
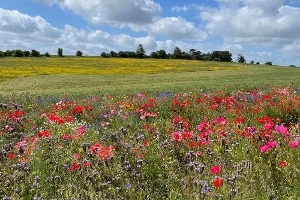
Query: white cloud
point(111, 12)
point(184, 8)
point(25, 25)
point(175, 28)
point(256, 22)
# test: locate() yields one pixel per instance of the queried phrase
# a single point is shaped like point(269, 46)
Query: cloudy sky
point(261, 30)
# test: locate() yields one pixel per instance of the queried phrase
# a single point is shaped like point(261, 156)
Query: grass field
point(88, 75)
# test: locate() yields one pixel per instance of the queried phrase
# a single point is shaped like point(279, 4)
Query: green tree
point(8, 53)
point(223, 56)
point(113, 54)
point(18, 53)
point(241, 59)
point(47, 54)
point(35, 53)
point(1, 54)
point(154, 54)
point(104, 55)
point(26, 53)
point(252, 62)
point(78, 53)
point(140, 51)
point(257, 63)
point(177, 53)
point(162, 54)
point(268, 63)
point(60, 52)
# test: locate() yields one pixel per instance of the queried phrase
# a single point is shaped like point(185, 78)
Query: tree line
point(140, 52)
point(192, 54)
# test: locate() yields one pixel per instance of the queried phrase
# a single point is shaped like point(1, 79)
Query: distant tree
point(241, 59)
point(104, 55)
point(177, 53)
point(113, 54)
point(1, 54)
point(185, 55)
point(268, 63)
point(257, 63)
point(223, 56)
point(140, 51)
point(252, 62)
point(154, 54)
point(18, 53)
point(162, 54)
point(60, 52)
point(26, 53)
point(78, 53)
point(47, 54)
point(35, 53)
point(8, 53)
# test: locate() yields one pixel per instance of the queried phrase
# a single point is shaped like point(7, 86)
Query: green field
point(86, 75)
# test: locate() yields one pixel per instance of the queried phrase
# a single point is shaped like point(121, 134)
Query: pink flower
point(215, 169)
point(76, 155)
point(293, 144)
point(264, 148)
point(282, 129)
point(271, 144)
point(268, 126)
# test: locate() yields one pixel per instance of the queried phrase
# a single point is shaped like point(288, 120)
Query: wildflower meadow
point(214, 144)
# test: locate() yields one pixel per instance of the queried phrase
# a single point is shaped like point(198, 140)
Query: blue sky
point(261, 30)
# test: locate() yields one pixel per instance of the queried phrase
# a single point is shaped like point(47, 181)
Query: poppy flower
point(282, 164)
point(215, 169)
point(218, 182)
point(10, 155)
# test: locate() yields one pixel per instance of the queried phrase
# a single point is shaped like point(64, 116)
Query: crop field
point(92, 128)
point(91, 75)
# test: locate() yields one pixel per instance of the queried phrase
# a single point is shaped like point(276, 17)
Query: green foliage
point(78, 53)
point(113, 54)
point(257, 63)
point(35, 53)
point(252, 62)
point(60, 52)
point(177, 53)
point(127, 54)
point(104, 55)
point(26, 53)
point(18, 53)
point(222, 56)
point(1, 54)
point(268, 63)
point(241, 59)
point(140, 51)
point(47, 54)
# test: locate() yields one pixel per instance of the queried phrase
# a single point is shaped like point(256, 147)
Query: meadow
point(171, 130)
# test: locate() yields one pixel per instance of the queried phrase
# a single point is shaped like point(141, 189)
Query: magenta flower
point(293, 144)
point(215, 169)
point(271, 144)
point(282, 130)
point(268, 126)
point(264, 148)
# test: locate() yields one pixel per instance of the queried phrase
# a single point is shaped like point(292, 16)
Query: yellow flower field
point(21, 67)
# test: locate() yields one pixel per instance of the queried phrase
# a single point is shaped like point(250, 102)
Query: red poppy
point(10, 155)
point(218, 182)
point(74, 167)
point(282, 164)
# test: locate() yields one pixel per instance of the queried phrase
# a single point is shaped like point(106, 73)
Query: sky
point(260, 30)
